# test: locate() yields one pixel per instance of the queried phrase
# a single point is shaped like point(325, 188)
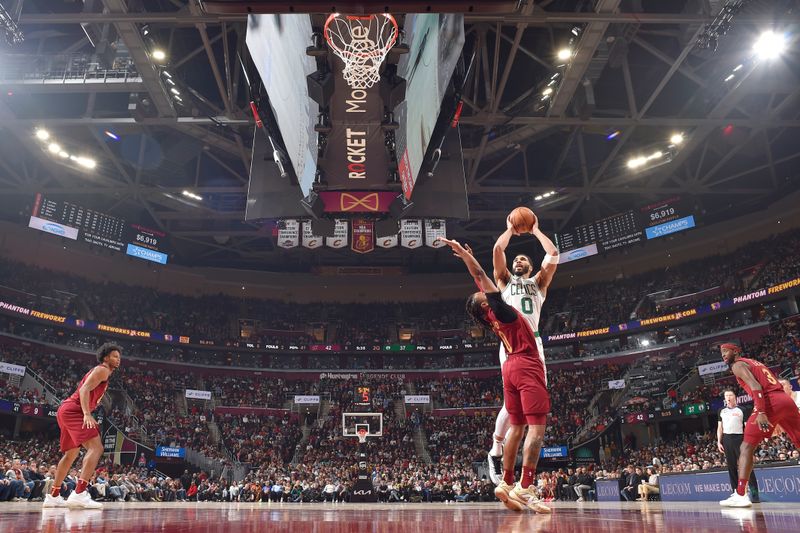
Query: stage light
point(86, 162)
point(159, 55)
point(169, 80)
point(192, 195)
point(564, 54)
point(111, 135)
point(730, 77)
point(656, 155)
point(770, 45)
point(175, 91)
point(62, 154)
point(547, 92)
point(539, 197)
point(165, 73)
point(613, 135)
point(677, 138)
point(54, 148)
point(645, 343)
point(42, 135)
point(738, 68)
point(636, 162)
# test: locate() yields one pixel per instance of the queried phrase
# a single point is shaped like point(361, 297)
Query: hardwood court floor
point(700, 517)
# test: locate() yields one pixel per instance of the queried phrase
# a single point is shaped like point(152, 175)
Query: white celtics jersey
point(523, 294)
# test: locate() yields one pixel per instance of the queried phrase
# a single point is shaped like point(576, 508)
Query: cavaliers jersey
point(524, 295)
point(94, 395)
point(764, 376)
point(516, 337)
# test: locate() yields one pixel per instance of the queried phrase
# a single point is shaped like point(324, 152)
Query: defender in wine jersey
point(524, 291)
point(524, 388)
point(772, 407)
point(79, 428)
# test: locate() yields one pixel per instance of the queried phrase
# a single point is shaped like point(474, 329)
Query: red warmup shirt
point(94, 395)
point(762, 374)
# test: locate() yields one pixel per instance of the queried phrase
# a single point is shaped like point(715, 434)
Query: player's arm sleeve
point(504, 312)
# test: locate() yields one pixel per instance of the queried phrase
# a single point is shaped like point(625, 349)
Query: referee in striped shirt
point(730, 434)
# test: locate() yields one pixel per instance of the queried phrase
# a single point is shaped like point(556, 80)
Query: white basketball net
point(362, 44)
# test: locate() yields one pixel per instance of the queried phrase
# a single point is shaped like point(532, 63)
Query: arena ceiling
point(636, 77)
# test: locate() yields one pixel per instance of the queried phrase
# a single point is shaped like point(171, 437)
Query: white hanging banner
point(387, 242)
point(306, 399)
point(435, 228)
point(712, 368)
point(198, 394)
point(411, 233)
point(309, 239)
point(616, 384)
point(8, 368)
point(339, 239)
point(289, 237)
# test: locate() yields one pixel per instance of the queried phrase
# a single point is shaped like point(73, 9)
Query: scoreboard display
point(623, 229)
point(79, 223)
point(362, 395)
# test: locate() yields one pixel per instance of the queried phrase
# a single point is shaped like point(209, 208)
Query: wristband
point(550, 259)
point(758, 401)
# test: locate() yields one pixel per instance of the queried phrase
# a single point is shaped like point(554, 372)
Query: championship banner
point(307, 399)
point(616, 384)
point(363, 236)
point(388, 242)
point(289, 237)
point(339, 239)
point(310, 240)
point(712, 368)
point(357, 201)
point(417, 398)
point(411, 233)
point(8, 368)
point(198, 394)
point(434, 228)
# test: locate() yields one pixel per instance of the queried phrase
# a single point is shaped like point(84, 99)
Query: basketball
point(523, 219)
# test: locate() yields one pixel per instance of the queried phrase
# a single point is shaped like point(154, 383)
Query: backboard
point(351, 422)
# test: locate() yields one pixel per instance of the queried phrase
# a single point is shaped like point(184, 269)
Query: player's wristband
point(758, 401)
point(550, 259)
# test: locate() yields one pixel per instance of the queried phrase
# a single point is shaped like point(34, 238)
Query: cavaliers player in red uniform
point(772, 407)
point(524, 386)
point(79, 428)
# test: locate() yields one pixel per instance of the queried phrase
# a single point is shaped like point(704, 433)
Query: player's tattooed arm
point(499, 261)
point(483, 281)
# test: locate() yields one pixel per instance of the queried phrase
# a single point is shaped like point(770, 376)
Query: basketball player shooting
point(525, 292)
point(772, 407)
point(79, 428)
point(526, 398)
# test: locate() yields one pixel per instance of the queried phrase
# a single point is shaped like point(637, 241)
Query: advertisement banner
point(435, 228)
point(363, 236)
point(198, 394)
point(616, 384)
point(307, 399)
point(289, 236)
point(713, 368)
point(388, 242)
point(170, 451)
point(607, 490)
point(551, 452)
point(577, 253)
point(339, 239)
point(417, 398)
point(670, 227)
point(55, 228)
point(147, 254)
point(411, 233)
point(8, 368)
point(310, 240)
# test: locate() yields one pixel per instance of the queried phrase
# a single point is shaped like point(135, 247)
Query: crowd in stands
point(217, 317)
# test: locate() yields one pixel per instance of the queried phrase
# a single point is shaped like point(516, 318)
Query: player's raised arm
point(465, 253)
point(550, 261)
point(501, 272)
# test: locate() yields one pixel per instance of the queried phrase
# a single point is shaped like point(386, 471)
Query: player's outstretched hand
point(510, 226)
point(89, 422)
point(458, 249)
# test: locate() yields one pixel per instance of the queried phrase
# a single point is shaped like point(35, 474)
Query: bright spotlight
point(42, 135)
point(564, 54)
point(175, 91)
point(645, 342)
point(86, 162)
point(159, 55)
point(770, 45)
point(538, 197)
point(62, 154)
point(636, 162)
point(54, 148)
point(547, 92)
point(677, 138)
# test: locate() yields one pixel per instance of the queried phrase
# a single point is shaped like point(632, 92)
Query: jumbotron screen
point(623, 229)
point(79, 223)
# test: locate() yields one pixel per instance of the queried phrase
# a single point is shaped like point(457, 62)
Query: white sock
point(501, 426)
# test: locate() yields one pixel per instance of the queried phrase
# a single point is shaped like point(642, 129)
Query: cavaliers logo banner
point(411, 233)
point(363, 236)
point(309, 239)
point(387, 242)
point(289, 237)
point(434, 229)
point(339, 239)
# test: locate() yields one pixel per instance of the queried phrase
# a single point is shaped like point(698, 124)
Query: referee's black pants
point(732, 444)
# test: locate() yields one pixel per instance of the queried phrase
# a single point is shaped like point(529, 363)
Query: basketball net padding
point(361, 42)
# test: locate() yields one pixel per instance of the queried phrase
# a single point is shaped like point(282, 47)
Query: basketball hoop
point(362, 435)
point(361, 42)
